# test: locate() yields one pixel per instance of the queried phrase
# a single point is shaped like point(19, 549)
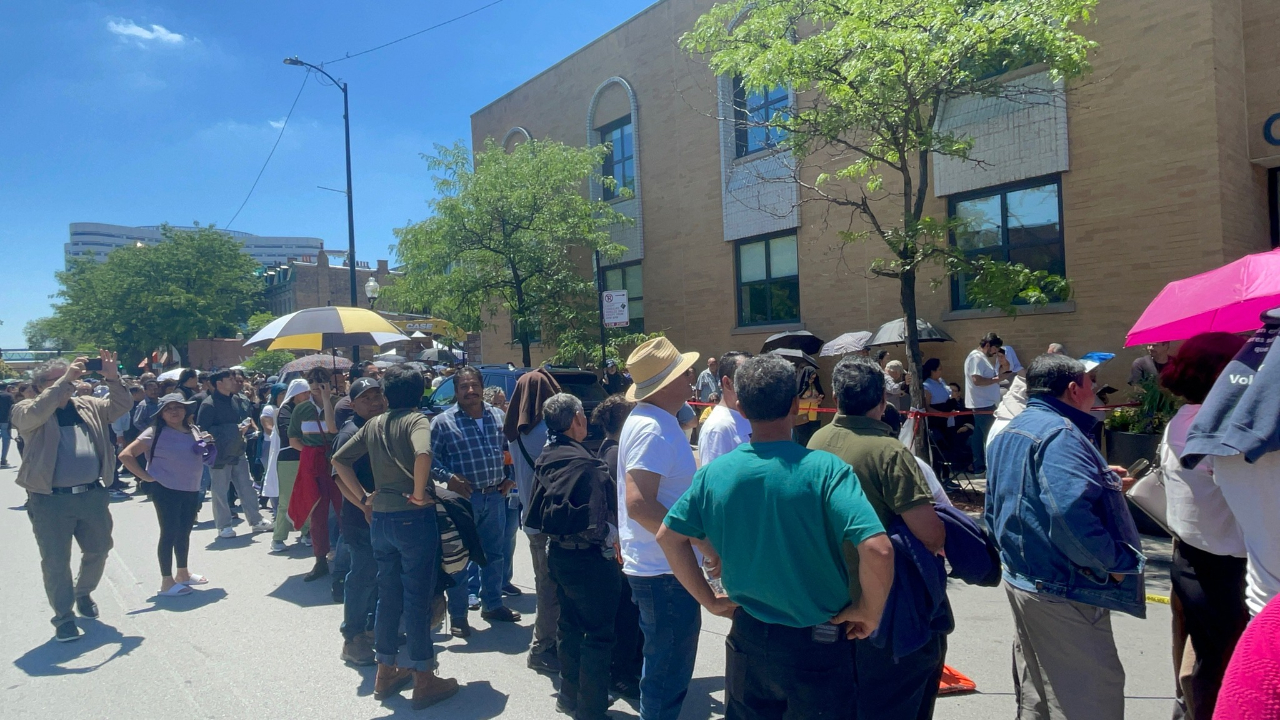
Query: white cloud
point(129, 30)
point(277, 124)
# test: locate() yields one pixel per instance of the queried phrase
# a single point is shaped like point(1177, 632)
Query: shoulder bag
point(1148, 494)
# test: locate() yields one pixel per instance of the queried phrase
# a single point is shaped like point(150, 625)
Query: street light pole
point(351, 213)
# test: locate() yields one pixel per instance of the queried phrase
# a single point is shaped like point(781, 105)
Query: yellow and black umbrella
point(323, 328)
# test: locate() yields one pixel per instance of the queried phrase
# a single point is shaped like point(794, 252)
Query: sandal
point(177, 590)
point(195, 580)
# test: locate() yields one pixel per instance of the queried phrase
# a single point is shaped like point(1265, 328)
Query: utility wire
point(348, 56)
point(284, 125)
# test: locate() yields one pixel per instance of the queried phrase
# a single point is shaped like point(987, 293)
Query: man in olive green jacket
point(67, 454)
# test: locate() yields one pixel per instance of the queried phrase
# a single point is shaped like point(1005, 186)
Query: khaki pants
point(1065, 663)
point(287, 472)
point(56, 520)
point(544, 626)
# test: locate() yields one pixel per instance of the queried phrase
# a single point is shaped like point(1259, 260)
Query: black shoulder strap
point(523, 451)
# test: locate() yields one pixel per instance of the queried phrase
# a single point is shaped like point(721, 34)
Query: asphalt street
point(258, 642)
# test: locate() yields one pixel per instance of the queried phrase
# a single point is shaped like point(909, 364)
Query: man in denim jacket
point(1069, 548)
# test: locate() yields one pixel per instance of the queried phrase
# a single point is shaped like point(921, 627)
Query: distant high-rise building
point(96, 240)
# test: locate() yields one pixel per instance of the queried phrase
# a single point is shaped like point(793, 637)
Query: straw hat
point(654, 365)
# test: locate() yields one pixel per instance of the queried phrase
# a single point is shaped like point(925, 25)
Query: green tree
point(267, 362)
point(257, 321)
point(198, 283)
point(509, 234)
point(871, 77)
point(47, 333)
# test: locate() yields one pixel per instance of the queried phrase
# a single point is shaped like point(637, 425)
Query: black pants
point(1210, 589)
point(628, 648)
point(177, 510)
point(588, 585)
point(902, 690)
point(775, 671)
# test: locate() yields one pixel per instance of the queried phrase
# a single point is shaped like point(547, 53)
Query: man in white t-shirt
point(726, 429)
point(656, 467)
point(982, 377)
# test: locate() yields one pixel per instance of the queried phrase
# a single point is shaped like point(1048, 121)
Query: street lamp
point(351, 216)
point(371, 289)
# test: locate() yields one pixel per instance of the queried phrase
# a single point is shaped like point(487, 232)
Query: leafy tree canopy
point(267, 362)
point(510, 234)
point(47, 333)
point(198, 283)
point(871, 77)
point(257, 321)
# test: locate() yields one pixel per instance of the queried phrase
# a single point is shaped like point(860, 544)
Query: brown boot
point(429, 689)
point(390, 680)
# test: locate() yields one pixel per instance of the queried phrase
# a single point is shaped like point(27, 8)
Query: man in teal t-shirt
point(787, 522)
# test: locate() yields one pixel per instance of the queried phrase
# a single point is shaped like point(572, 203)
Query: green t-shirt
point(889, 473)
point(306, 425)
point(778, 515)
point(393, 441)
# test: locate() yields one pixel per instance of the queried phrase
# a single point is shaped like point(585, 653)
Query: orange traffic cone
point(954, 682)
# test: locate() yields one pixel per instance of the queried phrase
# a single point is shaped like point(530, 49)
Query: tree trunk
point(524, 347)
point(907, 286)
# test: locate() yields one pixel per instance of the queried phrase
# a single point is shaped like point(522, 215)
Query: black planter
point(1125, 448)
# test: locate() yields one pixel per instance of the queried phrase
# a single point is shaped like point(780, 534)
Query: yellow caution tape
point(1157, 599)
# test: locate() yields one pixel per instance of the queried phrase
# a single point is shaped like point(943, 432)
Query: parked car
point(582, 384)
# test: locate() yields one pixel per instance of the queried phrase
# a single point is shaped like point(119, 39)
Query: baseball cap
point(610, 363)
point(359, 386)
point(1094, 359)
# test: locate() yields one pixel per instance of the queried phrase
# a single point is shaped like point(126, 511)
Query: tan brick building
point(1155, 167)
point(313, 281)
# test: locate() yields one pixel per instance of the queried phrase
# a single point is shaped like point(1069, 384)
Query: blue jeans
point(513, 524)
point(978, 439)
point(4, 442)
point(406, 546)
point(671, 620)
point(490, 510)
point(206, 482)
point(361, 589)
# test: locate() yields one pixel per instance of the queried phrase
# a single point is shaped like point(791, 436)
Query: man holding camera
point(66, 457)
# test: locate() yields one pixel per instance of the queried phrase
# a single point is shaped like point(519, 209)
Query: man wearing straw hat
point(657, 467)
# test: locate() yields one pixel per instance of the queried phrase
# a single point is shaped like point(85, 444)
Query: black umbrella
point(797, 357)
point(438, 356)
point(894, 333)
point(801, 340)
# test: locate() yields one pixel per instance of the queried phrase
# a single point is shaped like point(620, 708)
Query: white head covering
point(296, 388)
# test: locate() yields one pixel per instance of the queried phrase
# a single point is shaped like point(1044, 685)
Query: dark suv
point(582, 384)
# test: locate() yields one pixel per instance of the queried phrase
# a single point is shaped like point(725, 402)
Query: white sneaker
point(227, 532)
point(263, 526)
point(278, 547)
point(306, 540)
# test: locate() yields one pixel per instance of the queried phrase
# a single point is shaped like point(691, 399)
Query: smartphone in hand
point(93, 365)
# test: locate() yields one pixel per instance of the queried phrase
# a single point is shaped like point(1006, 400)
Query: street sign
point(614, 303)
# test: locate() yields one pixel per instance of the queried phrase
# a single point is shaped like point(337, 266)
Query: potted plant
point(1134, 432)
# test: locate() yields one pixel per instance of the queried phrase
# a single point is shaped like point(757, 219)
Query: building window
point(535, 332)
point(1020, 223)
point(629, 277)
point(752, 113)
point(620, 163)
point(768, 280)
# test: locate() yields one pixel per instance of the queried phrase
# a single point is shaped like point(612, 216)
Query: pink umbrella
point(1229, 299)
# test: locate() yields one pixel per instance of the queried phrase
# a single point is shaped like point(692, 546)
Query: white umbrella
point(417, 334)
point(850, 342)
point(170, 374)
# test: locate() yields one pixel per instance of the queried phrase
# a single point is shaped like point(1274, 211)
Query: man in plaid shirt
point(468, 446)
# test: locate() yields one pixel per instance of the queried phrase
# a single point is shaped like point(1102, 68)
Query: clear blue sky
point(138, 113)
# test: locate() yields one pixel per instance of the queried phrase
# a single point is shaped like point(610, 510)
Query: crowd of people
point(829, 545)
